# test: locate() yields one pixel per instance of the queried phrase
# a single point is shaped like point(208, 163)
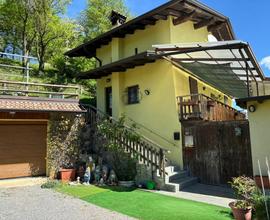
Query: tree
point(52, 32)
point(17, 24)
point(95, 18)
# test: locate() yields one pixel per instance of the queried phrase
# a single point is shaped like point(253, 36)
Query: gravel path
point(34, 203)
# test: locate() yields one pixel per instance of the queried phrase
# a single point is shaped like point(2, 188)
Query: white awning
point(227, 65)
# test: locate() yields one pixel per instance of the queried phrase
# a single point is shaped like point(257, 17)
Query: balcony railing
point(39, 90)
point(202, 107)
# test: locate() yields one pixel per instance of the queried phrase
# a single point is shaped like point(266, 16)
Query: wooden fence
point(147, 152)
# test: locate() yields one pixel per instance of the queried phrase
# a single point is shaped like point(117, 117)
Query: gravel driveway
point(34, 203)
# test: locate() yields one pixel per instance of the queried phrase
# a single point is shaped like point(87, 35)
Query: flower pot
point(126, 183)
point(241, 214)
point(67, 175)
point(265, 181)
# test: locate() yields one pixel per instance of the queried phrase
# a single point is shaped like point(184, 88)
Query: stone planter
point(126, 183)
point(241, 214)
point(67, 175)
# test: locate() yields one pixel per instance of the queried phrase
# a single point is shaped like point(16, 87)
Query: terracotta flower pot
point(265, 182)
point(241, 214)
point(67, 175)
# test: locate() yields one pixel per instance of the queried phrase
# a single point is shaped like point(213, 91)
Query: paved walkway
point(24, 181)
point(214, 195)
point(34, 203)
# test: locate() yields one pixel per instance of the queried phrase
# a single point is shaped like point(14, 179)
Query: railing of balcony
point(202, 107)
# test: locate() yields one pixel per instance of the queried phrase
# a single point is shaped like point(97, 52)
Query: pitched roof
point(26, 104)
point(183, 10)
point(121, 65)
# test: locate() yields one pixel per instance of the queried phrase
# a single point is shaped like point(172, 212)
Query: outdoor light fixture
point(251, 108)
point(147, 92)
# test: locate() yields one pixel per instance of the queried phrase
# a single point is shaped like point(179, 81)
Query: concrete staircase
point(177, 180)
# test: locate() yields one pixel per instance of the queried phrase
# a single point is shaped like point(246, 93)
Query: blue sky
point(250, 20)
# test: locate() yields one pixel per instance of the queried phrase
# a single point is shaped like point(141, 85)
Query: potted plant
point(244, 188)
point(124, 167)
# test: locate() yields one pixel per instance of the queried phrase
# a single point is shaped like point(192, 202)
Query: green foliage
point(259, 206)
point(50, 184)
point(245, 188)
point(95, 18)
point(63, 142)
point(124, 163)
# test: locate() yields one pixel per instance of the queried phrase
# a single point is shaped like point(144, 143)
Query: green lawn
point(146, 205)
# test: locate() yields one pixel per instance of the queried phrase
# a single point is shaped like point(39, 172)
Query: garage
point(22, 148)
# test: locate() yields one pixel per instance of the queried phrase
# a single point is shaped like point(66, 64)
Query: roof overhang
point(121, 65)
point(181, 10)
point(33, 104)
point(244, 101)
point(229, 66)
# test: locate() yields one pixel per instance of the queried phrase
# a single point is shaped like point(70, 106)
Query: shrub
point(245, 188)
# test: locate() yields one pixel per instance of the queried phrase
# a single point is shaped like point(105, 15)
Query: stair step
point(171, 169)
point(185, 182)
point(178, 175)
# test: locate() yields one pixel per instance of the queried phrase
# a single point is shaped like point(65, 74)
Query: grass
point(145, 205)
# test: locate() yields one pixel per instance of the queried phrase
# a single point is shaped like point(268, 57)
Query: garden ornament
point(88, 171)
point(97, 174)
point(112, 178)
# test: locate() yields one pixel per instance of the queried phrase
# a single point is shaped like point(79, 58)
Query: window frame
point(131, 90)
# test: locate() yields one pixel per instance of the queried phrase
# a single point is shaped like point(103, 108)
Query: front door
point(193, 88)
point(108, 100)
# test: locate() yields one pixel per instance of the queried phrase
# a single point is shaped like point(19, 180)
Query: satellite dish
point(212, 38)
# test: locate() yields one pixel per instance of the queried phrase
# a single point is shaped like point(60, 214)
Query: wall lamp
point(147, 92)
point(251, 108)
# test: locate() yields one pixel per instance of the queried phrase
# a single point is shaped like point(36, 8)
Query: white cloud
point(266, 62)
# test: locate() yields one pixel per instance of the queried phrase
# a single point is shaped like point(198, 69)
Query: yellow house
point(145, 71)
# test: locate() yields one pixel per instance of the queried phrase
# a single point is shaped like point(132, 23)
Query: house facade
point(138, 74)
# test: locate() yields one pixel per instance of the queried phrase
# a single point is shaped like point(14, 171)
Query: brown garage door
point(22, 149)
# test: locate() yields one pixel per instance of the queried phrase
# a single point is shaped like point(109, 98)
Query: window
point(133, 94)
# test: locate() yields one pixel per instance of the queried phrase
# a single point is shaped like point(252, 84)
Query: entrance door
point(108, 100)
point(193, 88)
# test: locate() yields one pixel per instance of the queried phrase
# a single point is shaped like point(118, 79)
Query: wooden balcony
point(202, 107)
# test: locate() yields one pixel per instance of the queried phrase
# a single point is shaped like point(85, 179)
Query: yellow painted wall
point(181, 85)
point(163, 32)
point(105, 54)
point(159, 110)
point(185, 33)
point(259, 134)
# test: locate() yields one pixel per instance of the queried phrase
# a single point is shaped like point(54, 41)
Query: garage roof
point(26, 104)
point(227, 65)
point(182, 10)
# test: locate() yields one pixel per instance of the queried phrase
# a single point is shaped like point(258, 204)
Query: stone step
point(184, 182)
point(178, 175)
point(171, 170)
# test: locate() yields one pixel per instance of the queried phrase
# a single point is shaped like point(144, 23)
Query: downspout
point(99, 61)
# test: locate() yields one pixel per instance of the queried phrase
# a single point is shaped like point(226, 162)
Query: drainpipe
point(99, 61)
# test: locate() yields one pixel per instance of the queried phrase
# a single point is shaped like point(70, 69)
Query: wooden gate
point(217, 151)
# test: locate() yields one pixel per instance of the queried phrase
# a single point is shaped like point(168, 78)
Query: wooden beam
point(138, 26)
point(184, 18)
point(160, 17)
point(216, 26)
point(148, 22)
point(174, 12)
point(205, 22)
